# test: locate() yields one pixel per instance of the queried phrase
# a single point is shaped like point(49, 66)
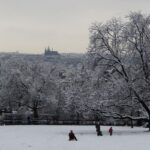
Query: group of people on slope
point(72, 136)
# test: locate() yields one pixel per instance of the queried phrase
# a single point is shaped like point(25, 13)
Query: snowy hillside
point(56, 138)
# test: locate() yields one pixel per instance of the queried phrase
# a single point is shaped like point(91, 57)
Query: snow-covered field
point(56, 138)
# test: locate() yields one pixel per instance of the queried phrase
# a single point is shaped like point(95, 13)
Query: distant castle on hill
point(50, 52)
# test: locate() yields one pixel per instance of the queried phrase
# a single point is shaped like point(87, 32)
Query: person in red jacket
point(72, 136)
point(110, 131)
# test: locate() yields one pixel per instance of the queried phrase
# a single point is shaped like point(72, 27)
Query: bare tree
point(123, 48)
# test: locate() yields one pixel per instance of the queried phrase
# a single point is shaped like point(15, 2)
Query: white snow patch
point(56, 138)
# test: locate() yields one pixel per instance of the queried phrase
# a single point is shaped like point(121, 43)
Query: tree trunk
point(149, 122)
point(35, 112)
point(131, 123)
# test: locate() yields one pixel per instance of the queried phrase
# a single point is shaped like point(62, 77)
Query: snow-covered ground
point(56, 138)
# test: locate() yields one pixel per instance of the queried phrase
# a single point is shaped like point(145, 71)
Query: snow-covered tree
point(121, 51)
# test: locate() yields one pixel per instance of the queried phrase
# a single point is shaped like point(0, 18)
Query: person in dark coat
point(110, 131)
point(98, 129)
point(72, 136)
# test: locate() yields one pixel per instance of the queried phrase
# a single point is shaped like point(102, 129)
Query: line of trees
point(113, 81)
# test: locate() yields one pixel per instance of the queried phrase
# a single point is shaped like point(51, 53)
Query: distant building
point(50, 52)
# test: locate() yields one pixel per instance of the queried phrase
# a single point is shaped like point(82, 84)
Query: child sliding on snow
point(72, 136)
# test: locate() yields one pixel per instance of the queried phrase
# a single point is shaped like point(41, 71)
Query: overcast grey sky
point(29, 26)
